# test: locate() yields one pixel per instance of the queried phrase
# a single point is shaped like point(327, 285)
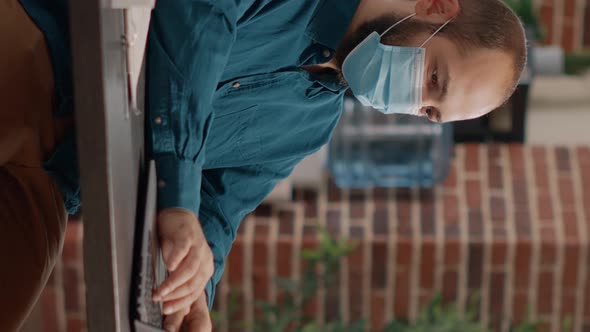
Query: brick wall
point(510, 222)
point(566, 23)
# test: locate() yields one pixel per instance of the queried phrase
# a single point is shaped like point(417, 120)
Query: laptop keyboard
point(150, 312)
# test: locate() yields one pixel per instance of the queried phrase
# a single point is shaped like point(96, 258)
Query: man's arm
point(228, 195)
point(188, 48)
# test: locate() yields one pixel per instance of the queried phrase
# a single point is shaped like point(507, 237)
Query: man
point(238, 92)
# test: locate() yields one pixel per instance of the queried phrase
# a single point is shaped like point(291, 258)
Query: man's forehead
point(479, 84)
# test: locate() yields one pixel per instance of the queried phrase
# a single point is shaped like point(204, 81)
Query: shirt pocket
point(233, 138)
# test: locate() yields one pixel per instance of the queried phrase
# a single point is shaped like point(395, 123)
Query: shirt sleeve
point(188, 47)
point(228, 195)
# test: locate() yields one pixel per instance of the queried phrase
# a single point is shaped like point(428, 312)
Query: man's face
point(458, 85)
point(461, 86)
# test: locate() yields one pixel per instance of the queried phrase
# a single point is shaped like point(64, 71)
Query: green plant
point(525, 9)
point(577, 63)
point(321, 266)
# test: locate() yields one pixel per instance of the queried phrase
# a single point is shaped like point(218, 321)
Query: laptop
point(149, 270)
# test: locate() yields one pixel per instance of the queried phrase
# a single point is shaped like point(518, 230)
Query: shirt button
point(158, 120)
point(161, 184)
point(327, 53)
point(236, 85)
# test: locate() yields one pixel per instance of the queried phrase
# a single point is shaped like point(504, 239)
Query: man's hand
point(188, 259)
point(197, 320)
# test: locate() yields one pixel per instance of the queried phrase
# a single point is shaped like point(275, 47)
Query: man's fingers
point(198, 319)
point(181, 304)
point(194, 286)
point(172, 323)
point(173, 253)
point(187, 269)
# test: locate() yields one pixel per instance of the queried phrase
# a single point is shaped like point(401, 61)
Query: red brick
point(334, 193)
point(495, 177)
point(75, 324)
point(403, 199)
point(569, 8)
point(545, 207)
point(547, 19)
point(497, 208)
point(570, 267)
point(50, 310)
point(402, 294)
point(568, 37)
point(540, 167)
point(516, 161)
point(568, 306)
point(545, 293)
point(520, 306)
point(404, 252)
point(235, 263)
point(471, 157)
point(497, 284)
point(452, 253)
point(427, 212)
point(333, 219)
point(284, 252)
point(451, 180)
point(499, 250)
point(357, 209)
point(286, 222)
point(475, 266)
point(522, 265)
point(380, 195)
point(377, 312)
point(311, 308)
point(260, 254)
point(379, 265)
point(548, 254)
point(566, 191)
point(543, 326)
point(520, 194)
point(451, 208)
point(261, 230)
point(475, 225)
point(427, 266)
point(583, 155)
point(332, 307)
point(570, 225)
point(357, 232)
point(263, 210)
point(72, 249)
point(355, 258)
point(523, 224)
point(356, 295)
point(473, 192)
point(380, 221)
point(72, 284)
point(562, 157)
point(450, 282)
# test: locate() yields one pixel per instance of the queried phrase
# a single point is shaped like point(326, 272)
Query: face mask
point(387, 78)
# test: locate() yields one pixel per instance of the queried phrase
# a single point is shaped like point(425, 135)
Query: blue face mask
point(387, 78)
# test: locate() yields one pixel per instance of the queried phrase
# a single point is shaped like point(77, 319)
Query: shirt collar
point(331, 21)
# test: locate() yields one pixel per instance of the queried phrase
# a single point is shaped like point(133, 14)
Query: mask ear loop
point(437, 31)
point(398, 23)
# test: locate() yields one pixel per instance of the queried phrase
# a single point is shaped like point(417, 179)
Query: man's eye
point(434, 77)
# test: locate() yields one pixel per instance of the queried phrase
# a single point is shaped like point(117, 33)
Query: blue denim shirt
point(230, 111)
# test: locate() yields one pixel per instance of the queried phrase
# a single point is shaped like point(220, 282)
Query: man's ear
point(437, 11)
